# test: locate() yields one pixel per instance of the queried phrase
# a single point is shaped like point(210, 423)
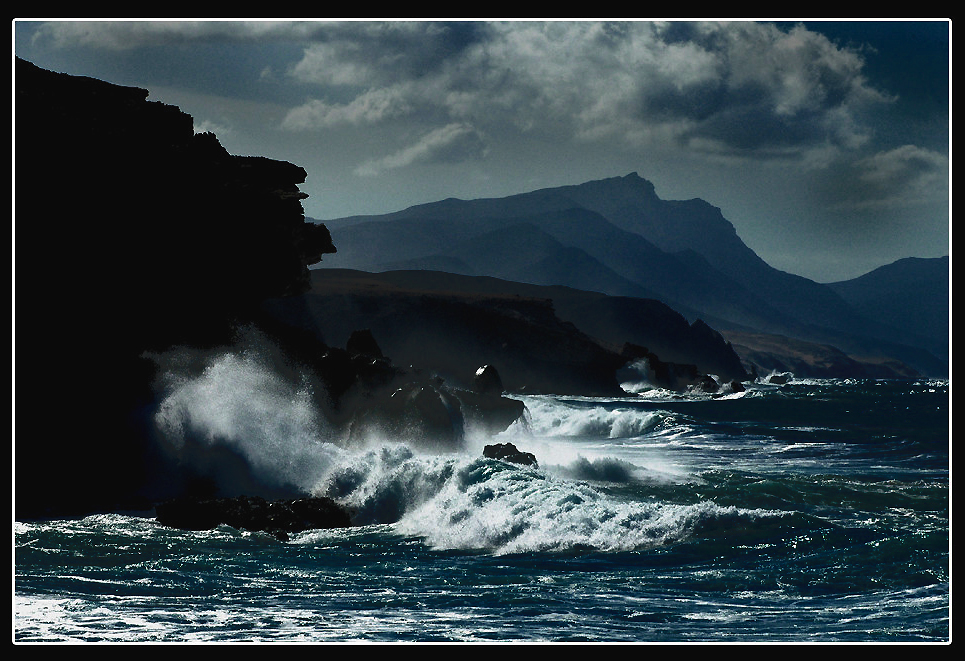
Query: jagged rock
point(707, 383)
point(164, 239)
point(253, 513)
point(486, 381)
point(363, 343)
point(509, 452)
point(421, 413)
point(492, 414)
point(672, 376)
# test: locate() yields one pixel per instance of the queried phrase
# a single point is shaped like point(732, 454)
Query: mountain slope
point(683, 253)
point(524, 252)
point(910, 295)
point(540, 338)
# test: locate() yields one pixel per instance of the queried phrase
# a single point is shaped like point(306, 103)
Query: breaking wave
point(451, 500)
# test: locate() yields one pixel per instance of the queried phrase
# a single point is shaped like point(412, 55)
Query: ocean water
point(815, 511)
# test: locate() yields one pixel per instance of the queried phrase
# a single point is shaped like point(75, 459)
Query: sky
point(825, 143)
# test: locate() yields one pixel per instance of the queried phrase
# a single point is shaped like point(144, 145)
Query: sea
point(811, 511)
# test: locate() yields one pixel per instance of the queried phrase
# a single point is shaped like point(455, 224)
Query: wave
point(450, 500)
point(608, 474)
point(550, 416)
point(489, 506)
point(240, 405)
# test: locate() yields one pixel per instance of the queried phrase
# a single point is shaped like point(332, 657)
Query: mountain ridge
point(683, 253)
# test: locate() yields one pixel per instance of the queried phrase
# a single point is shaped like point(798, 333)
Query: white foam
point(240, 401)
point(560, 418)
point(516, 511)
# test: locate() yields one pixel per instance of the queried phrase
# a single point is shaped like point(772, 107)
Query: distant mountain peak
point(628, 182)
point(634, 177)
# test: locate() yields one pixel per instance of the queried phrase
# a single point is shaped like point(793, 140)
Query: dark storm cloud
point(395, 50)
point(732, 87)
point(705, 84)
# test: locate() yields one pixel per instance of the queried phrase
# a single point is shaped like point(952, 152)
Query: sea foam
point(454, 500)
point(241, 403)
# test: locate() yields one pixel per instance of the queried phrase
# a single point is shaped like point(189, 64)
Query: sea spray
point(575, 418)
point(636, 376)
point(502, 509)
point(239, 402)
point(382, 483)
point(807, 512)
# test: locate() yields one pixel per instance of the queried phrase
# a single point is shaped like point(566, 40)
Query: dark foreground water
point(815, 511)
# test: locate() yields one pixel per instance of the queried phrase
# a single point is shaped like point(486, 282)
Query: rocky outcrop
point(450, 332)
point(279, 518)
point(130, 228)
point(777, 353)
point(667, 375)
point(509, 452)
point(424, 411)
point(486, 381)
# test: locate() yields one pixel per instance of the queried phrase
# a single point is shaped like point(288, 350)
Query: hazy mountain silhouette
point(616, 236)
point(910, 295)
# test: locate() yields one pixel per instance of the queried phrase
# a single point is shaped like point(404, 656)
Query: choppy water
point(815, 511)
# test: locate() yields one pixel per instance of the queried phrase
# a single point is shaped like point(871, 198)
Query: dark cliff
point(128, 231)
point(542, 339)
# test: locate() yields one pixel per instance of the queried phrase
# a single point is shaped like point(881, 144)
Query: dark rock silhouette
point(363, 343)
point(424, 411)
point(486, 381)
point(672, 376)
point(544, 339)
point(422, 414)
point(129, 230)
point(509, 452)
point(279, 518)
point(484, 406)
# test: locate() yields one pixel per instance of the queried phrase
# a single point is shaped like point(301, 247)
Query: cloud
point(128, 35)
point(368, 108)
point(363, 54)
point(209, 126)
point(904, 175)
point(739, 88)
point(452, 143)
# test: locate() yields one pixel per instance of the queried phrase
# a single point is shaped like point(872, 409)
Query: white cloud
point(694, 83)
point(125, 35)
point(452, 143)
point(905, 175)
point(742, 87)
point(367, 108)
point(726, 89)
